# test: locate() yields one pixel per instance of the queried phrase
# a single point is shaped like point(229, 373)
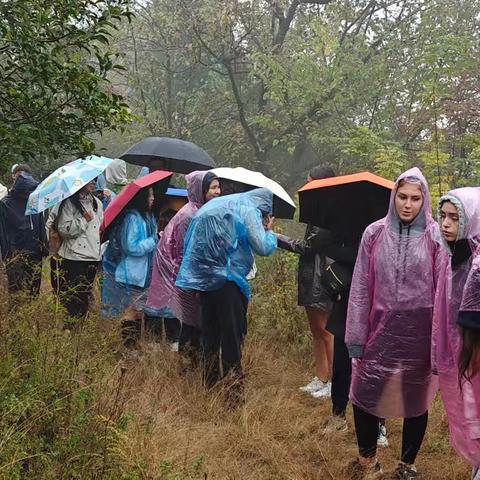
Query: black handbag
point(336, 279)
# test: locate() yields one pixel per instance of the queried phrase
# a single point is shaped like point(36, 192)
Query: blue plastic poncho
point(127, 262)
point(221, 240)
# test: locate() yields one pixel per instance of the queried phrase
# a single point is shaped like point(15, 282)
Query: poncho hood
point(194, 187)
point(424, 217)
point(262, 198)
point(467, 202)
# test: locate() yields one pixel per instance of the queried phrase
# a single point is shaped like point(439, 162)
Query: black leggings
point(366, 427)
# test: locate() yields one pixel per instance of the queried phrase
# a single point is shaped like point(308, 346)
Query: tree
point(54, 88)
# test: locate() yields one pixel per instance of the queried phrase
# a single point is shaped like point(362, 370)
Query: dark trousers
point(224, 326)
point(366, 427)
point(341, 377)
point(75, 283)
point(24, 273)
point(154, 327)
point(189, 343)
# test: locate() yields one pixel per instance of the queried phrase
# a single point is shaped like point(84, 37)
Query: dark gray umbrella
point(170, 154)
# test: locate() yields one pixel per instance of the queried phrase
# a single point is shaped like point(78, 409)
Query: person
point(456, 326)
point(164, 298)
point(389, 323)
point(312, 295)
point(77, 220)
point(104, 194)
point(22, 237)
point(18, 169)
point(128, 262)
point(218, 255)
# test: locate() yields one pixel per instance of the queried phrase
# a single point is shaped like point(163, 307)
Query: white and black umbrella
point(283, 205)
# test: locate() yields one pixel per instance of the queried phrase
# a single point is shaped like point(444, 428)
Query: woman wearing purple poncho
point(389, 325)
point(163, 295)
point(457, 302)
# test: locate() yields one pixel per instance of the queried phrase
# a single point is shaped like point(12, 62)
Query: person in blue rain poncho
point(127, 262)
point(218, 255)
point(104, 194)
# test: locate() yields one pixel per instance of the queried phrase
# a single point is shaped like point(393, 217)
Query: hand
point(269, 222)
point(107, 193)
point(88, 216)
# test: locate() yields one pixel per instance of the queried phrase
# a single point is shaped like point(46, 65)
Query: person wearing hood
point(104, 194)
point(22, 237)
point(218, 256)
point(457, 320)
point(164, 298)
point(389, 325)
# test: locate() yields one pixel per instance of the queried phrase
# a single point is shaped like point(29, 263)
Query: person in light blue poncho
point(218, 255)
point(127, 262)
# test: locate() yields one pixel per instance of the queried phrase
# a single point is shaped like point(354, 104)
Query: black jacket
point(310, 264)
point(20, 233)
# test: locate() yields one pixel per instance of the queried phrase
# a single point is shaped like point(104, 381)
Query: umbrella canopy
point(170, 154)
point(158, 180)
point(64, 182)
point(346, 204)
point(283, 205)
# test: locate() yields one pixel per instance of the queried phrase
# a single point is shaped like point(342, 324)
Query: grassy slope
point(71, 408)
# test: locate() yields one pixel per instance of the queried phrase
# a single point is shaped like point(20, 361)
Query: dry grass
point(277, 434)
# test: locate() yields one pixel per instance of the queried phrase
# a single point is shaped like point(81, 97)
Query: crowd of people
point(399, 320)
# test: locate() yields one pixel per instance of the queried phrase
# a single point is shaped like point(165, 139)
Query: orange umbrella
point(345, 204)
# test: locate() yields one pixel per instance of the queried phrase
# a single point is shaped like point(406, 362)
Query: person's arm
point(315, 242)
point(262, 241)
point(132, 239)
point(71, 223)
point(359, 305)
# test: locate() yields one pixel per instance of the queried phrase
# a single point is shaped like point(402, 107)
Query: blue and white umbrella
point(64, 182)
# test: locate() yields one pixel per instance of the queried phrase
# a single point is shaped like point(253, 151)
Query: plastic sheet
point(462, 405)
point(222, 238)
point(390, 312)
point(162, 292)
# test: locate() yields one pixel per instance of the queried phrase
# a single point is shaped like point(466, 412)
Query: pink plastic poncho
point(462, 405)
point(390, 311)
point(162, 292)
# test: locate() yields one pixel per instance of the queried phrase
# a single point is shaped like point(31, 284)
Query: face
point(449, 221)
point(90, 186)
point(408, 201)
point(213, 190)
point(150, 198)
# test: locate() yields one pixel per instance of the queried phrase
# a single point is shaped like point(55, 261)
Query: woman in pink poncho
point(163, 295)
point(453, 348)
point(389, 325)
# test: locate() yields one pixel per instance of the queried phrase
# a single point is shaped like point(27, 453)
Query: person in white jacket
point(77, 220)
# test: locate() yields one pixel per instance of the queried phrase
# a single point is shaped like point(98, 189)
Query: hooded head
point(24, 185)
point(467, 208)
point(197, 183)
point(404, 199)
point(101, 184)
point(262, 198)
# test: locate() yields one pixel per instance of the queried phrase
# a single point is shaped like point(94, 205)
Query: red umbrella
point(158, 179)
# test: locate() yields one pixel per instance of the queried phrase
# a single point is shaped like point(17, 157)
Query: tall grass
point(73, 407)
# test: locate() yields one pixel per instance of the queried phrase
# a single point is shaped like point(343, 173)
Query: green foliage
point(56, 64)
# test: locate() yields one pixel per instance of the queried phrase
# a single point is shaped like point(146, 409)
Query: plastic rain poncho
point(462, 405)
point(163, 293)
point(127, 262)
point(222, 238)
point(390, 311)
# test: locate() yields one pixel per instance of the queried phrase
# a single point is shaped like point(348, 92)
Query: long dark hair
point(140, 202)
point(469, 357)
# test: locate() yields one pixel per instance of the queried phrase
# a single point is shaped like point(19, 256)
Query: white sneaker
point(174, 347)
point(313, 386)
point(324, 392)
point(382, 440)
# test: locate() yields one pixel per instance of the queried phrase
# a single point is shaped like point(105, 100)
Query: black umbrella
point(172, 154)
point(345, 204)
